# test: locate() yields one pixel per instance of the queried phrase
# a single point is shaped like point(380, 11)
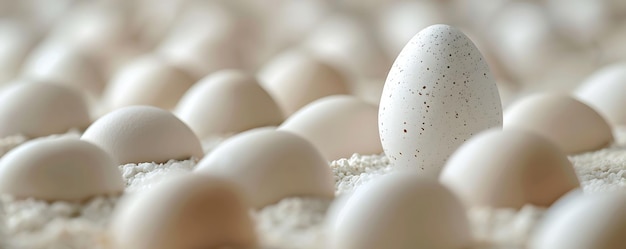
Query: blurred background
point(530, 45)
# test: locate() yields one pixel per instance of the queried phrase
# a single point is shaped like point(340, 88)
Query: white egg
point(148, 80)
point(139, 134)
point(338, 126)
point(187, 211)
point(59, 169)
point(572, 125)
point(605, 91)
point(509, 169)
point(271, 165)
point(295, 78)
point(400, 211)
point(588, 221)
point(36, 109)
point(438, 94)
point(227, 102)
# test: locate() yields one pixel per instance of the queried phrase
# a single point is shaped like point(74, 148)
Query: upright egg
point(400, 211)
point(509, 169)
point(36, 109)
point(59, 169)
point(271, 165)
point(225, 102)
point(595, 221)
point(188, 211)
point(139, 134)
point(605, 91)
point(572, 125)
point(338, 126)
point(438, 94)
point(295, 79)
point(149, 80)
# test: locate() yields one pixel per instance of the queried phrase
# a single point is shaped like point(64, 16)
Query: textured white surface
point(295, 223)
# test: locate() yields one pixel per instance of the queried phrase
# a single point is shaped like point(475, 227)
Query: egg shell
point(65, 65)
point(271, 165)
point(36, 109)
point(338, 126)
point(605, 91)
point(59, 169)
point(438, 94)
point(188, 211)
point(572, 125)
point(295, 79)
point(139, 134)
point(148, 80)
point(400, 210)
point(225, 102)
point(595, 221)
point(509, 169)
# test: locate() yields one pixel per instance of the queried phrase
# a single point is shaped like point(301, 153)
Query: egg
point(64, 65)
point(148, 80)
point(36, 109)
point(16, 42)
point(572, 125)
point(59, 169)
point(225, 102)
point(509, 169)
point(188, 211)
point(438, 94)
point(295, 79)
point(605, 91)
point(400, 210)
point(138, 134)
point(595, 221)
point(338, 126)
point(271, 165)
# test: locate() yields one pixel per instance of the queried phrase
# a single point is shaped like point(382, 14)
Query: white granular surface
point(293, 223)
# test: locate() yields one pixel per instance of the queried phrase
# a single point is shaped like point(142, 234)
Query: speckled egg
point(139, 134)
point(338, 126)
point(605, 91)
point(149, 80)
point(226, 102)
point(438, 93)
point(585, 221)
point(509, 169)
point(36, 109)
point(398, 211)
point(187, 211)
point(59, 169)
point(271, 165)
point(572, 125)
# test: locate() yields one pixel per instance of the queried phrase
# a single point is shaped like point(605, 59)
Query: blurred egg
point(605, 91)
point(439, 93)
point(188, 211)
point(148, 80)
point(271, 165)
point(368, 90)
point(346, 43)
point(36, 109)
point(567, 122)
point(64, 65)
point(338, 126)
point(508, 169)
point(59, 169)
point(139, 134)
point(15, 44)
point(295, 79)
point(397, 211)
point(582, 21)
point(225, 102)
point(201, 52)
point(595, 221)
